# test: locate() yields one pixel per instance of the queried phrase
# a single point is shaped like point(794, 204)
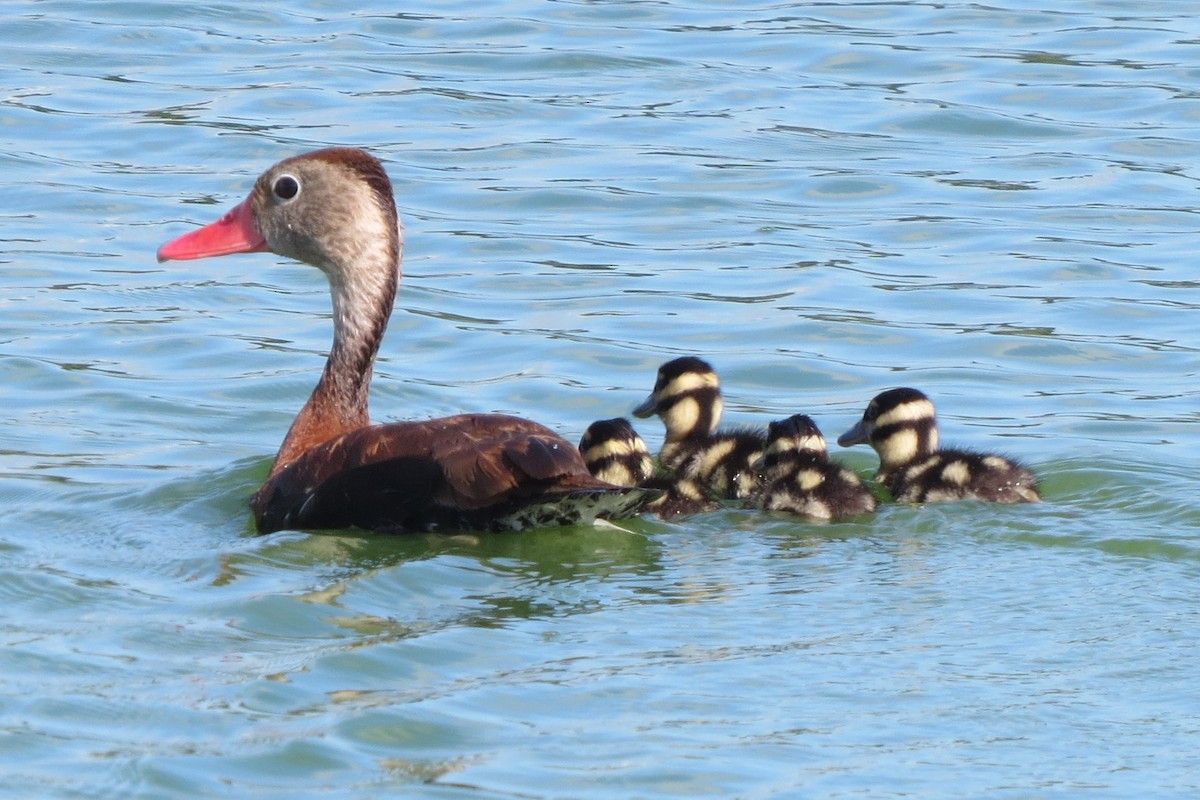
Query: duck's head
point(687, 396)
point(900, 424)
point(331, 208)
point(614, 452)
point(796, 434)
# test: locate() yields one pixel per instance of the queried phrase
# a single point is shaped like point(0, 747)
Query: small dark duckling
point(614, 452)
point(687, 396)
point(901, 425)
point(798, 476)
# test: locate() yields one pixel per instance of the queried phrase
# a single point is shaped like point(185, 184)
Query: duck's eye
point(286, 187)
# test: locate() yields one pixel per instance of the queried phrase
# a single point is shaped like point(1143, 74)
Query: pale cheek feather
point(683, 417)
point(628, 464)
point(716, 408)
point(900, 447)
point(617, 474)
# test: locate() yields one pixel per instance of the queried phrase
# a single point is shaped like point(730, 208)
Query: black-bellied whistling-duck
point(901, 425)
point(334, 209)
point(616, 453)
point(800, 478)
point(687, 396)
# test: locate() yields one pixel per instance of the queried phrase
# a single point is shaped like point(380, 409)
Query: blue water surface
point(994, 203)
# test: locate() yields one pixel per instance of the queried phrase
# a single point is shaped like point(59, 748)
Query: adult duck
point(334, 209)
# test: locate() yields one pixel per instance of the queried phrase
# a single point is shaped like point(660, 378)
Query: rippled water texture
point(994, 203)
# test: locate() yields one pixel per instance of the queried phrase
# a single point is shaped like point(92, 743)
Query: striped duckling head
point(614, 452)
point(900, 424)
point(791, 441)
point(687, 397)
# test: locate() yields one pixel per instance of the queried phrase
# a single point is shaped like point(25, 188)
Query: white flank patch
point(818, 510)
point(917, 470)
point(809, 479)
point(957, 472)
point(714, 455)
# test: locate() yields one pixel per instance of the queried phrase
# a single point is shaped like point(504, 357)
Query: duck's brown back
point(472, 471)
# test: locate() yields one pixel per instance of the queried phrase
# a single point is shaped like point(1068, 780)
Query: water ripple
point(993, 202)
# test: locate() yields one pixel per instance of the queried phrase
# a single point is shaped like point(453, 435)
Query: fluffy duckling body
point(799, 478)
point(614, 452)
point(687, 397)
point(901, 425)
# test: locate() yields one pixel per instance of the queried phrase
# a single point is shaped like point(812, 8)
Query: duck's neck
point(363, 293)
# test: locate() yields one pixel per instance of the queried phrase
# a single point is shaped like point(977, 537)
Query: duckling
point(687, 396)
point(902, 427)
point(800, 478)
point(614, 452)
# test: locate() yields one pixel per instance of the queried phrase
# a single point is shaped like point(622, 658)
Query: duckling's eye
point(872, 413)
point(286, 187)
